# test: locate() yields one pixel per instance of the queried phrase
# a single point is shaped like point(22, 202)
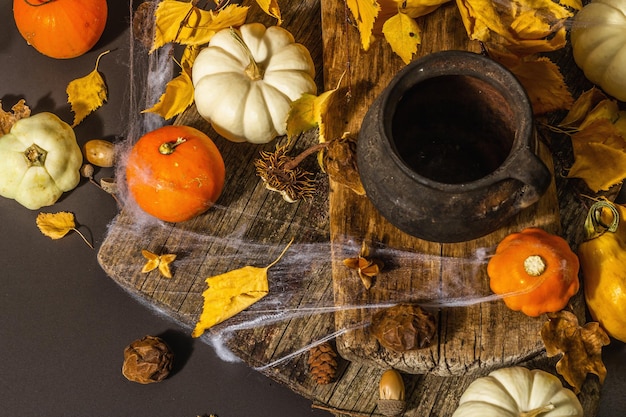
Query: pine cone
point(323, 363)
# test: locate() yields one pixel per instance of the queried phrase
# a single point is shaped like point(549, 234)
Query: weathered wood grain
point(251, 226)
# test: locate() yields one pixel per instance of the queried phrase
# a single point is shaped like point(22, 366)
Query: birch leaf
point(403, 35)
point(178, 96)
point(271, 8)
point(186, 24)
point(364, 13)
point(86, 94)
point(57, 225)
point(232, 292)
point(308, 112)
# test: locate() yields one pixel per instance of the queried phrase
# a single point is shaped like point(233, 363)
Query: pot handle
point(526, 167)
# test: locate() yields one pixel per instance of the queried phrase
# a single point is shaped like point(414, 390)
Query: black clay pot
point(447, 153)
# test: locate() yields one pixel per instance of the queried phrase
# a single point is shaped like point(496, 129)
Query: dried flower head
point(281, 173)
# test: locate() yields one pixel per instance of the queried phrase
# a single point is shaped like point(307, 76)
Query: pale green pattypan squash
point(39, 161)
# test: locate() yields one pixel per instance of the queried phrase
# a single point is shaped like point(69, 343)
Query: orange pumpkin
point(175, 173)
point(535, 272)
point(61, 28)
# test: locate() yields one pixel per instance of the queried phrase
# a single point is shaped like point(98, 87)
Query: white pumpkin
point(245, 81)
point(598, 37)
point(518, 392)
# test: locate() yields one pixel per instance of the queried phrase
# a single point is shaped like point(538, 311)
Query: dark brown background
point(64, 323)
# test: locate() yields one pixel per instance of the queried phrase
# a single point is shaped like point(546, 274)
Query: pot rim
point(488, 71)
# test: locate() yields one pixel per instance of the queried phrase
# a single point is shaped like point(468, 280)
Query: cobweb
point(303, 264)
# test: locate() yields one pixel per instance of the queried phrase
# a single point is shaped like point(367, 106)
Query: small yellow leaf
point(418, 8)
point(57, 225)
point(308, 112)
point(403, 35)
point(87, 94)
point(155, 261)
point(364, 13)
point(544, 84)
point(230, 293)
point(582, 106)
point(178, 96)
point(271, 8)
point(599, 155)
point(184, 23)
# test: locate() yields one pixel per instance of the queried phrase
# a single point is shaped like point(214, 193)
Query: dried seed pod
point(147, 360)
point(323, 363)
point(391, 393)
point(404, 327)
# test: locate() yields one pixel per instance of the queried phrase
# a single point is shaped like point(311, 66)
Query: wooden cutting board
point(470, 337)
point(251, 226)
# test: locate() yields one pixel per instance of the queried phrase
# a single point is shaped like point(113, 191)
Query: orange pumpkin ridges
point(175, 173)
point(61, 29)
point(536, 272)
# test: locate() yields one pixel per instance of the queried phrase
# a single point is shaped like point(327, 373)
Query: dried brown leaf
point(7, 119)
point(580, 347)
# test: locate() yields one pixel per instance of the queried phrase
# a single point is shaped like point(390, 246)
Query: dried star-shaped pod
point(581, 347)
point(404, 327)
point(158, 261)
point(366, 267)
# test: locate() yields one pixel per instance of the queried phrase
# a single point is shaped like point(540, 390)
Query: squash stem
point(537, 411)
point(35, 156)
point(534, 265)
point(253, 70)
point(167, 148)
point(595, 226)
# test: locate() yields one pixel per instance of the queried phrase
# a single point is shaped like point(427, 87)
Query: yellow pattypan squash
point(603, 262)
point(245, 81)
point(535, 271)
point(40, 160)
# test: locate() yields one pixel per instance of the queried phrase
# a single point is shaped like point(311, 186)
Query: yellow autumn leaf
point(364, 13)
point(178, 96)
point(403, 35)
point(271, 8)
point(599, 155)
point(57, 225)
point(418, 8)
point(154, 261)
point(87, 94)
point(186, 24)
point(523, 26)
point(544, 84)
point(179, 92)
point(587, 101)
point(308, 112)
point(230, 293)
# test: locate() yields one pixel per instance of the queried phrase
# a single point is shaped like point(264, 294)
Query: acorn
point(391, 401)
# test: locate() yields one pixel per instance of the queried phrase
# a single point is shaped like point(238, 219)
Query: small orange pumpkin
point(175, 173)
point(535, 271)
point(61, 28)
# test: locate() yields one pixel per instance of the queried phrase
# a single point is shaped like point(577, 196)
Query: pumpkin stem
point(534, 265)
point(596, 224)
point(35, 156)
point(253, 70)
point(167, 148)
point(537, 411)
